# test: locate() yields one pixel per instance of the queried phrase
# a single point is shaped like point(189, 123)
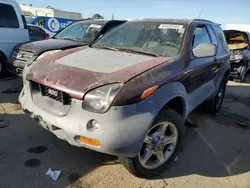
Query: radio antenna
point(200, 14)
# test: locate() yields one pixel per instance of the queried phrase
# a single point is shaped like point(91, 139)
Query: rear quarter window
point(222, 43)
point(8, 17)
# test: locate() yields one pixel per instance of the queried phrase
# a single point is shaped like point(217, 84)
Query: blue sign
point(50, 23)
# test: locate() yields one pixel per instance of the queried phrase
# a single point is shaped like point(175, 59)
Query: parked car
point(130, 92)
point(13, 30)
point(38, 33)
point(239, 45)
point(77, 34)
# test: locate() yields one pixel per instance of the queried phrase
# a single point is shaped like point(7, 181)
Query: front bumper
point(236, 68)
point(121, 129)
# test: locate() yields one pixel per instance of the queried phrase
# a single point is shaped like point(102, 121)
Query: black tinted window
point(200, 36)
point(111, 26)
point(36, 30)
point(8, 16)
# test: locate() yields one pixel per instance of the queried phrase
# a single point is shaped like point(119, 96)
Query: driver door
point(200, 68)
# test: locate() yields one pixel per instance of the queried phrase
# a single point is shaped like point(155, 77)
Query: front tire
point(160, 146)
point(243, 73)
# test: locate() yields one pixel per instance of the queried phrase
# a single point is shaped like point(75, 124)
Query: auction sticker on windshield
point(95, 26)
point(170, 26)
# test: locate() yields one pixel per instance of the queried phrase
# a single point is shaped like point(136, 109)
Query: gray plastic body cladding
point(123, 128)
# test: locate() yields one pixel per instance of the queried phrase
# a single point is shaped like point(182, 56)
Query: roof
point(98, 21)
point(183, 21)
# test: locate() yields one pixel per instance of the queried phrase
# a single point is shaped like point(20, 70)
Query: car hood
point(41, 46)
point(79, 70)
point(236, 39)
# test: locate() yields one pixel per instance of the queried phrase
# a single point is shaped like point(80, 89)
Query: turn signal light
point(88, 141)
point(148, 92)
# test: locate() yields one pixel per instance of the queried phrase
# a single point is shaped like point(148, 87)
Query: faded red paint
point(76, 82)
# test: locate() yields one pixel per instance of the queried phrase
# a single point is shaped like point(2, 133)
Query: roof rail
point(204, 20)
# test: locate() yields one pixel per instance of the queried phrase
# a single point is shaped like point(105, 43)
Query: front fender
point(166, 93)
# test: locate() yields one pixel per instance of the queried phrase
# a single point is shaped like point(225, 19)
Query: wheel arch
point(176, 103)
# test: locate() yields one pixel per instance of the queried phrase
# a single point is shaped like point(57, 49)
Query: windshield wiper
point(138, 51)
point(106, 47)
point(68, 38)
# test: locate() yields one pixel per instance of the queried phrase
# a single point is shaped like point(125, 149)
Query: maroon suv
point(130, 92)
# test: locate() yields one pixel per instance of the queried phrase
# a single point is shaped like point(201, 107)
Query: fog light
point(92, 125)
point(88, 141)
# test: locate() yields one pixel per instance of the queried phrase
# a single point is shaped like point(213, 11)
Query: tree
point(97, 16)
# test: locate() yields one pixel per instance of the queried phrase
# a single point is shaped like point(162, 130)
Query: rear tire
point(169, 145)
point(213, 105)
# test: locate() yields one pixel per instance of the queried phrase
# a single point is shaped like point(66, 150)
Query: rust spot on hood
point(75, 81)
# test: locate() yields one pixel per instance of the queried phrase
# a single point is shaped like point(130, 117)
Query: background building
point(241, 27)
point(29, 10)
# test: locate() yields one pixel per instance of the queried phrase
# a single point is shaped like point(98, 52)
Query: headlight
point(48, 53)
point(100, 99)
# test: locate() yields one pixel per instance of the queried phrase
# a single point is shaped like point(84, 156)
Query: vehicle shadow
point(219, 146)
point(27, 151)
point(10, 88)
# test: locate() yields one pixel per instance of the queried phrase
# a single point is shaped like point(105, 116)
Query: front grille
point(14, 69)
point(52, 93)
point(236, 52)
point(22, 55)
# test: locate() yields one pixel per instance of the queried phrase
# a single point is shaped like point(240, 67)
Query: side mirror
point(204, 50)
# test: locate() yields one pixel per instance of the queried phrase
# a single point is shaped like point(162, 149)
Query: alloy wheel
point(159, 145)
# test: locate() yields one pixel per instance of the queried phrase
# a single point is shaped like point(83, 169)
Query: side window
point(212, 34)
point(39, 30)
point(222, 43)
point(200, 36)
point(36, 31)
point(8, 17)
point(111, 26)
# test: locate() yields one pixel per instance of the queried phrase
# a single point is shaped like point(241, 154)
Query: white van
point(13, 30)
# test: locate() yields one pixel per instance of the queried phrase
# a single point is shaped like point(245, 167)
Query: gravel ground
point(216, 152)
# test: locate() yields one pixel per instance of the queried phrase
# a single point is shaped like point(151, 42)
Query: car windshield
point(80, 31)
point(152, 38)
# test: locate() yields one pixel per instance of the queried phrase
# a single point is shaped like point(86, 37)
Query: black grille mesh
point(52, 93)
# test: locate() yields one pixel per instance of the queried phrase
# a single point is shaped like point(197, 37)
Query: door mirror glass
point(204, 50)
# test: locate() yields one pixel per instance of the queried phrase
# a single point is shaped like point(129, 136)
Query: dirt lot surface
point(216, 152)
